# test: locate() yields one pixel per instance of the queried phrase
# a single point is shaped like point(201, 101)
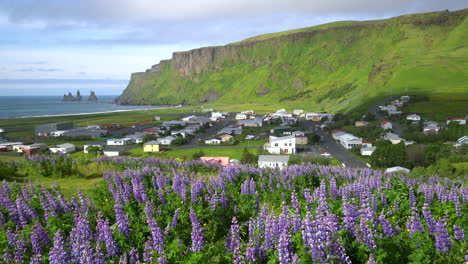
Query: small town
point(233, 132)
point(276, 139)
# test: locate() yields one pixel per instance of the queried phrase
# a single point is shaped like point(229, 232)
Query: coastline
point(91, 113)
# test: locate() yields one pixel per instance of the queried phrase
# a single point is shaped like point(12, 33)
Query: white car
point(325, 155)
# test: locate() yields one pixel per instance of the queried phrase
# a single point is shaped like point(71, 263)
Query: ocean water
point(32, 106)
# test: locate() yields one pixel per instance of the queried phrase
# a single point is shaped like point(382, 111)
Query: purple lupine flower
point(80, 240)
point(285, 246)
point(198, 238)
point(350, 216)
point(122, 220)
point(234, 242)
point(138, 187)
point(58, 254)
point(196, 189)
point(307, 196)
point(414, 223)
point(148, 251)
point(133, 256)
point(333, 189)
point(157, 236)
point(442, 237)
point(387, 228)
point(98, 257)
point(458, 232)
point(149, 209)
point(175, 218)
point(39, 239)
point(7, 257)
point(366, 225)
point(430, 221)
point(20, 250)
point(104, 235)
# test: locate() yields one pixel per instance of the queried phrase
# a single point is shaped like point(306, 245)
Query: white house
point(119, 141)
point(298, 112)
point(188, 118)
point(413, 117)
point(461, 121)
point(9, 145)
point(336, 134)
point(273, 161)
point(461, 141)
point(216, 115)
point(241, 117)
point(348, 141)
point(166, 140)
point(100, 145)
point(63, 148)
point(431, 127)
point(213, 141)
point(113, 151)
point(405, 98)
point(386, 125)
point(278, 145)
point(57, 133)
point(394, 138)
point(397, 169)
point(367, 151)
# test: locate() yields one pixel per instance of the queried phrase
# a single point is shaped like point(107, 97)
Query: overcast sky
point(109, 39)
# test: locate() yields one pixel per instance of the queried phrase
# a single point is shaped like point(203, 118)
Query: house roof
point(365, 141)
point(368, 149)
point(273, 139)
point(114, 148)
point(95, 143)
point(219, 160)
point(65, 145)
point(273, 158)
point(385, 122)
point(392, 136)
point(152, 142)
point(397, 168)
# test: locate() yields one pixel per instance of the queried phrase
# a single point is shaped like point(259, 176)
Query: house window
point(285, 144)
point(276, 144)
point(290, 144)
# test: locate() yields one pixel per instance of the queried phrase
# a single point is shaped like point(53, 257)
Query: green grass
point(11, 158)
point(442, 106)
point(186, 154)
point(336, 68)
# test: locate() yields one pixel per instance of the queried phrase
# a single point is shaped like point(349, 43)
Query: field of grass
point(186, 154)
point(11, 158)
point(337, 69)
point(442, 106)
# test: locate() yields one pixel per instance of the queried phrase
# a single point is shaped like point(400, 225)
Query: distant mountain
point(327, 67)
point(70, 97)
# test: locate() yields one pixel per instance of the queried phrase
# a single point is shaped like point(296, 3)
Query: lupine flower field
point(163, 211)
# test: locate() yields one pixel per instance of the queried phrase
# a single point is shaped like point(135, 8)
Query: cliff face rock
point(92, 97)
point(299, 66)
point(70, 97)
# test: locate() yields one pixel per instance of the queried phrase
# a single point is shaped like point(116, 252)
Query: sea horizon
point(31, 106)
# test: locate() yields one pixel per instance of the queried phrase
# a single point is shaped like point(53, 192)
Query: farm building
point(63, 148)
point(44, 130)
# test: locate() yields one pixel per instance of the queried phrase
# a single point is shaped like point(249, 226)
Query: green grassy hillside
point(336, 66)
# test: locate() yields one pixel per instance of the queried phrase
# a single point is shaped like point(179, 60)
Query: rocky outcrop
point(69, 97)
point(92, 97)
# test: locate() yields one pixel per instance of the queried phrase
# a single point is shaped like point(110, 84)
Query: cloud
point(110, 12)
point(38, 69)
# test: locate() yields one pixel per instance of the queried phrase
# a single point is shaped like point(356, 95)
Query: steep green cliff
point(331, 67)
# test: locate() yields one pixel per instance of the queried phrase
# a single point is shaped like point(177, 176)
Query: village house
point(367, 151)
point(257, 122)
point(166, 140)
point(223, 161)
point(336, 133)
point(461, 141)
point(63, 148)
point(316, 117)
point(281, 130)
point(387, 108)
point(151, 146)
point(405, 98)
point(201, 120)
point(248, 112)
point(180, 133)
point(29, 149)
point(188, 118)
point(8, 146)
point(213, 141)
point(394, 138)
point(278, 145)
point(119, 141)
point(44, 130)
point(301, 140)
point(241, 117)
point(349, 141)
point(113, 151)
point(397, 169)
point(360, 123)
point(413, 117)
point(233, 130)
point(431, 127)
point(215, 116)
point(461, 121)
point(366, 144)
point(273, 161)
point(225, 137)
point(298, 112)
point(59, 133)
point(252, 137)
point(137, 138)
point(395, 113)
point(298, 133)
point(100, 145)
point(79, 132)
point(386, 125)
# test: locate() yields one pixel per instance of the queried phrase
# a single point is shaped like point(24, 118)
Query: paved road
point(374, 109)
point(336, 150)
